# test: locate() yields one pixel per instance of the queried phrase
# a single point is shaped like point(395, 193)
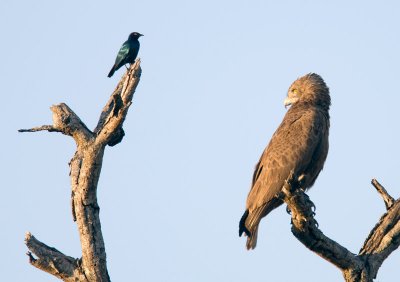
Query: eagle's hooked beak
point(289, 101)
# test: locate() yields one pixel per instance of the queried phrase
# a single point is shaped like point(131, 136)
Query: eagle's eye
point(294, 91)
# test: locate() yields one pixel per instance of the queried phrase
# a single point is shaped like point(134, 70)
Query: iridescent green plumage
point(128, 52)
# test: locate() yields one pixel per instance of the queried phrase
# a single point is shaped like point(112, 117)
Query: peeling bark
point(85, 168)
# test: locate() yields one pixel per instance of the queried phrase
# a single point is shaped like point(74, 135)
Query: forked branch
point(85, 172)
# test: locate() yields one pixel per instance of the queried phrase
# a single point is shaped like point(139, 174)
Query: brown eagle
point(300, 144)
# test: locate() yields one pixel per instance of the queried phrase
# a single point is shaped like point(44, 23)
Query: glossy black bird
point(128, 52)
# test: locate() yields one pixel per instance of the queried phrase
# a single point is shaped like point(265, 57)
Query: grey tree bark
point(383, 239)
point(85, 168)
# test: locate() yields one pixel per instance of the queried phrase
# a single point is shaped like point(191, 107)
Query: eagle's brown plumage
point(300, 144)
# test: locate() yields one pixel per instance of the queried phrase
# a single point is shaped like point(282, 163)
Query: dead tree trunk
point(383, 239)
point(85, 172)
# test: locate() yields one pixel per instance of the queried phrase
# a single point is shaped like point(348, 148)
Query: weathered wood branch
point(48, 128)
point(389, 201)
point(383, 239)
point(85, 168)
point(53, 261)
point(109, 128)
point(381, 242)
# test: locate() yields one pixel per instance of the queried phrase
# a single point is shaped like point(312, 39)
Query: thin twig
point(49, 128)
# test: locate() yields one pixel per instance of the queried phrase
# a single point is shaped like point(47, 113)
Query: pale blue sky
point(215, 74)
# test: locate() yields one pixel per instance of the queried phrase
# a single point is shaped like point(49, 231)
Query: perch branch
point(85, 168)
point(304, 228)
point(109, 128)
point(381, 242)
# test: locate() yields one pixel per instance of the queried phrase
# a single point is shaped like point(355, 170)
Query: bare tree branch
point(85, 168)
point(113, 115)
point(304, 227)
point(383, 239)
point(381, 242)
point(66, 122)
point(385, 195)
point(53, 261)
point(48, 128)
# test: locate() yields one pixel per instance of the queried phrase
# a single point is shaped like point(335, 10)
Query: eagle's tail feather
point(252, 240)
point(250, 220)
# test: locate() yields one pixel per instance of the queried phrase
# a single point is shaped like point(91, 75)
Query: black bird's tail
point(110, 74)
